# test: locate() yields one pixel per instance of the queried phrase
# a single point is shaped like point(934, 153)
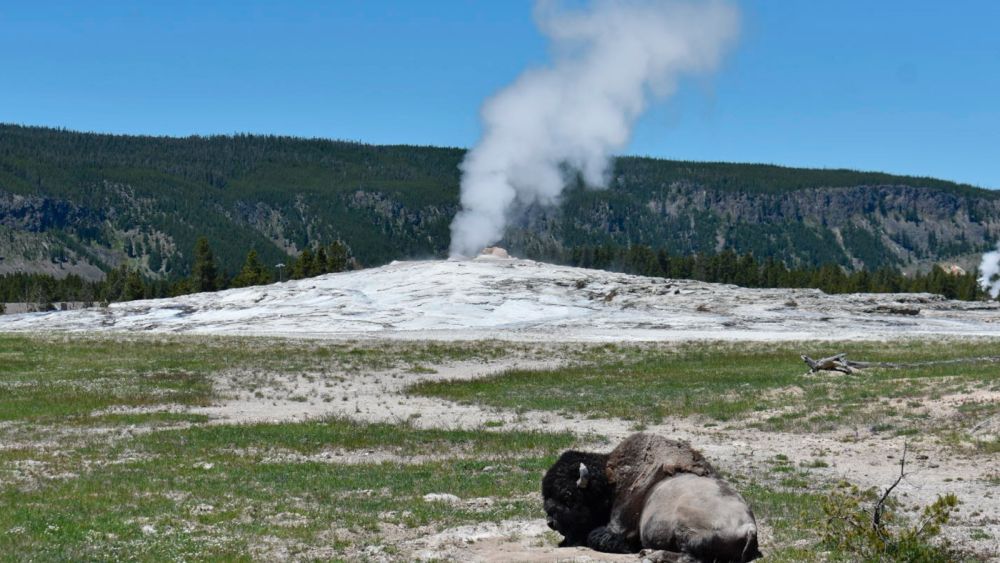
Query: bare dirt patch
point(864, 459)
point(375, 396)
point(512, 540)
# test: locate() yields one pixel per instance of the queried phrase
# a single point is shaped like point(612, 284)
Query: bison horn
point(584, 477)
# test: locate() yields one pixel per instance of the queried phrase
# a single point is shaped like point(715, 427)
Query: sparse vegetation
point(104, 459)
point(852, 528)
point(185, 489)
point(767, 387)
point(194, 498)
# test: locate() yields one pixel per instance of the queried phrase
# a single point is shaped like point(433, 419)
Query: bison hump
point(644, 454)
point(640, 462)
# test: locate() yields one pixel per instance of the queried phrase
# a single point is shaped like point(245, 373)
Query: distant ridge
point(87, 202)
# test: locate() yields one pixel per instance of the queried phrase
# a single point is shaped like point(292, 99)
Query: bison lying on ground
point(649, 493)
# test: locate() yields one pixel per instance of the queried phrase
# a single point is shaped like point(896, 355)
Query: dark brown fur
point(638, 464)
point(573, 511)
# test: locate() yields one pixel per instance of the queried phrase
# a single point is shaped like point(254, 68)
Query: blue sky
point(906, 87)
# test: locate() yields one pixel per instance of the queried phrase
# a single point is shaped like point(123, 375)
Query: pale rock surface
point(513, 299)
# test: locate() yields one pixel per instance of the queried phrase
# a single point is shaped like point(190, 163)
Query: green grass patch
point(316, 436)
point(207, 492)
point(183, 489)
point(53, 377)
point(815, 463)
point(730, 382)
point(144, 418)
point(193, 511)
point(633, 383)
point(794, 516)
point(45, 378)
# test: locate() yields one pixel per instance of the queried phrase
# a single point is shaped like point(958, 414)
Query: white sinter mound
point(491, 297)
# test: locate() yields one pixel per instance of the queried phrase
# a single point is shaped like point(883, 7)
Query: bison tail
point(751, 550)
point(736, 545)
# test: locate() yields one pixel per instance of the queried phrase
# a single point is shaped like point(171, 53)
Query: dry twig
point(880, 505)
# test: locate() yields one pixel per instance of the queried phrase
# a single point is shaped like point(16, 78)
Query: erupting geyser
point(609, 62)
point(989, 272)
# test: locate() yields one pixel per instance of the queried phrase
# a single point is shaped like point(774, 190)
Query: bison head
point(577, 496)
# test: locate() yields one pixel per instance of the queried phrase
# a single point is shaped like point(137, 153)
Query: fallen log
point(839, 362)
point(833, 363)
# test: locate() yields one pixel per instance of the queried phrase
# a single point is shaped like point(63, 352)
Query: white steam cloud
point(610, 61)
point(989, 272)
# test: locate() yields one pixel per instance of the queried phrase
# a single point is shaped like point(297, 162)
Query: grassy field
point(767, 386)
point(44, 378)
point(101, 458)
point(79, 483)
point(209, 493)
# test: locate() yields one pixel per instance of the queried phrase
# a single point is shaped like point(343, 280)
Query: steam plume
point(610, 61)
point(989, 268)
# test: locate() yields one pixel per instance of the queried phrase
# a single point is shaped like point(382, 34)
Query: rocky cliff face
point(58, 236)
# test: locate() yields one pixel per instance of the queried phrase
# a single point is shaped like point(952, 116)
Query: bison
point(649, 493)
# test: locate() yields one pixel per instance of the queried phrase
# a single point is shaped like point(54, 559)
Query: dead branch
point(840, 363)
point(880, 505)
point(833, 363)
point(976, 428)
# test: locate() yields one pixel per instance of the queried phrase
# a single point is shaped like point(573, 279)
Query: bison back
point(641, 462)
point(700, 516)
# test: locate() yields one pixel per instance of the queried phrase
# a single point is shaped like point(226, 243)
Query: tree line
point(90, 193)
point(748, 271)
point(42, 291)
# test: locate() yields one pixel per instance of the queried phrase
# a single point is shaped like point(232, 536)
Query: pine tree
point(134, 286)
point(725, 266)
point(114, 284)
point(253, 272)
point(155, 259)
point(939, 282)
point(887, 280)
point(221, 281)
point(86, 294)
point(830, 278)
point(338, 257)
point(303, 266)
point(859, 282)
point(663, 258)
point(587, 257)
point(966, 287)
point(775, 273)
point(747, 271)
point(204, 276)
point(682, 268)
point(640, 259)
point(321, 264)
point(574, 256)
point(181, 287)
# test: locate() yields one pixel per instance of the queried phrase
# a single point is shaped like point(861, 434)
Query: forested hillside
point(87, 203)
